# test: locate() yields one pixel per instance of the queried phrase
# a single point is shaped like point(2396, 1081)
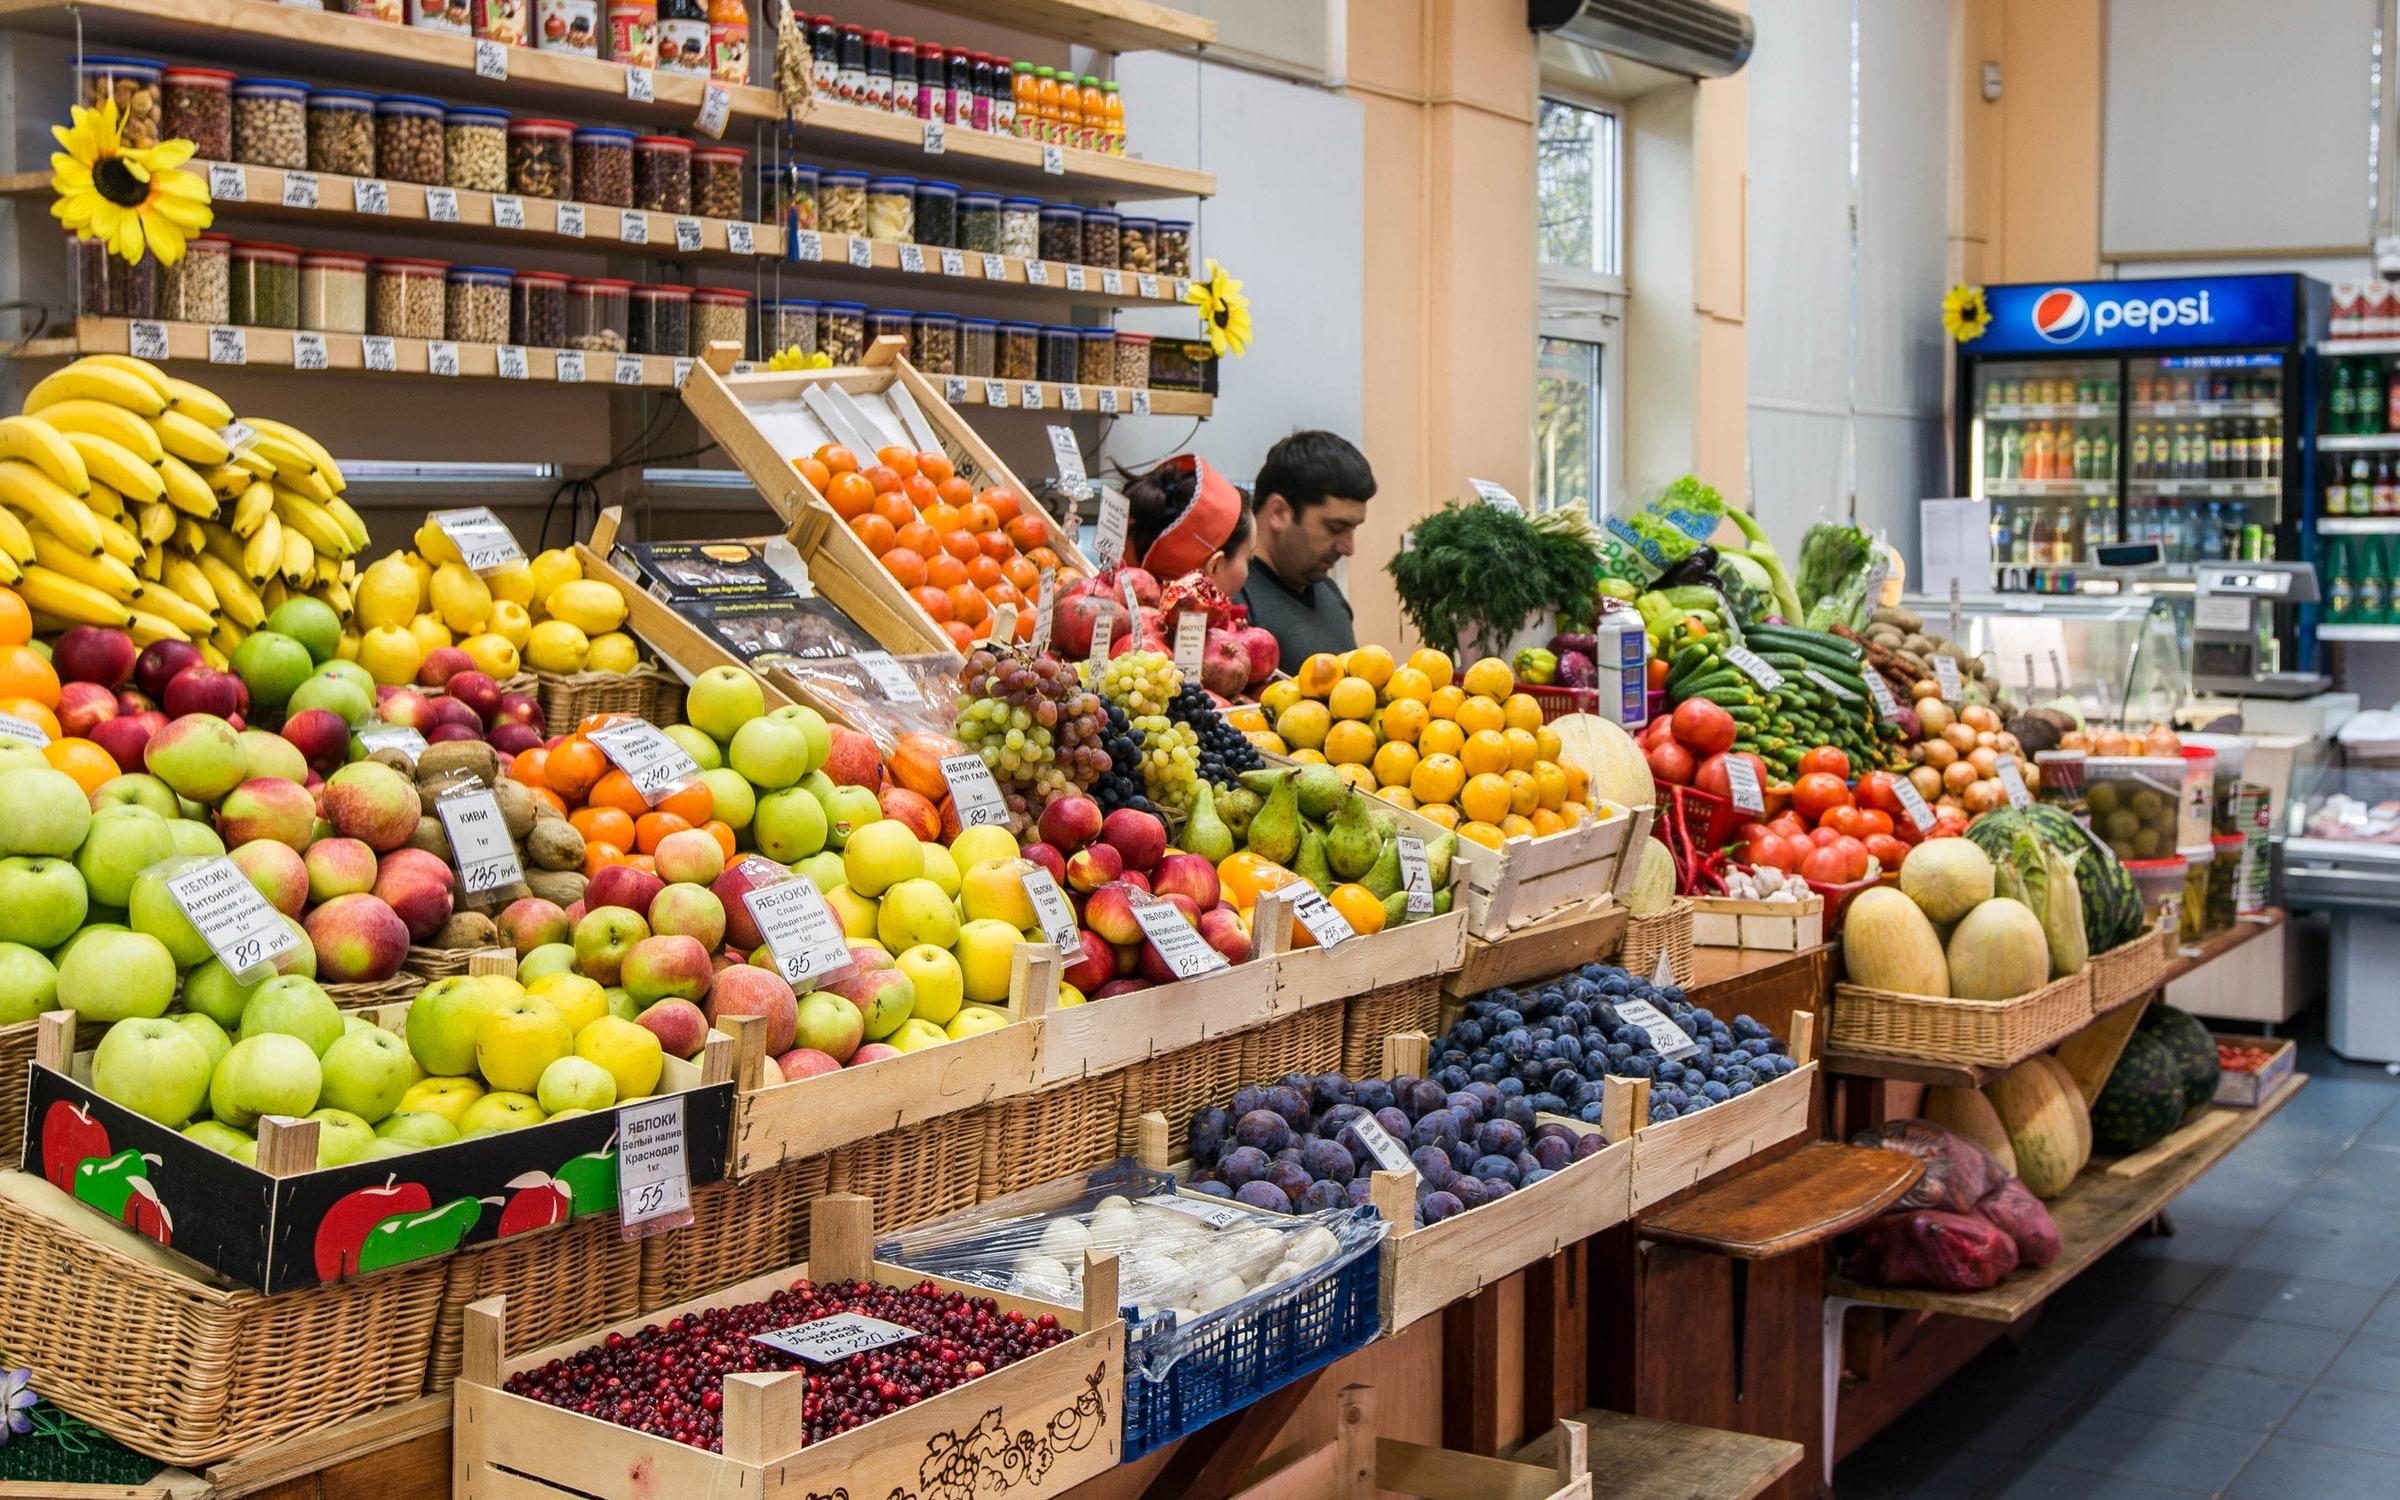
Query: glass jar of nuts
point(842, 203)
point(537, 309)
point(133, 84)
point(659, 320)
point(341, 132)
point(892, 210)
point(662, 174)
point(717, 181)
point(266, 286)
point(475, 306)
point(720, 315)
point(604, 166)
point(408, 138)
point(537, 159)
point(933, 343)
point(475, 149)
point(333, 292)
point(405, 298)
point(842, 333)
point(197, 288)
point(270, 123)
point(197, 106)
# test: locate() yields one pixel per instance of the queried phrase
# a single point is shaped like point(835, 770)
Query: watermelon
point(2192, 1048)
point(2112, 908)
point(2143, 1098)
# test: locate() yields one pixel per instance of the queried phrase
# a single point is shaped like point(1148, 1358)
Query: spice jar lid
point(845, 178)
point(408, 104)
point(979, 322)
point(1128, 336)
point(937, 188)
point(1091, 214)
point(790, 303)
point(480, 273)
point(270, 86)
point(599, 284)
point(668, 143)
point(860, 308)
point(662, 291)
point(605, 134)
point(1136, 221)
point(1182, 224)
point(1032, 203)
point(909, 42)
point(1014, 327)
point(474, 115)
point(1103, 335)
point(732, 154)
point(253, 250)
point(879, 39)
point(718, 294)
point(540, 127)
point(934, 319)
point(213, 241)
point(340, 99)
point(334, 259)
point(215, 78)
point(893, 185)
point(412, 266)
point(1061, 211)
point(544, 277)
point(122, 65)
point(979, 200)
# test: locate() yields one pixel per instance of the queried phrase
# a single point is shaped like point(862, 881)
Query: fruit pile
point(124, 503)
point(1036, 726)
point(422, 611)
point(1109, 863)
point(668, 1379)
point(1471, 754)
point(1312, 826)
point(1236, 657)
point(1180, 737)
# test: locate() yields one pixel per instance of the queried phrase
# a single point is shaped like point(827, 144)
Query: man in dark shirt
point(1311, 495)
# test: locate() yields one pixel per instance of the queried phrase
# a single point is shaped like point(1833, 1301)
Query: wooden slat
point(1108, 25)
point(1822, 1190)
point(328, 1447)
point(1643, 1458)
point(2175, 1144)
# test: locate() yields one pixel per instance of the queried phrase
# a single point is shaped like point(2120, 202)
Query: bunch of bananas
point(134, 499)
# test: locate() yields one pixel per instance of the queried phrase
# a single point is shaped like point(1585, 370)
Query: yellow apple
point(858, 914)
point(942, 869)
point(976, 1019)
point(996, 889)
point(985, 952)
point(988, 841)
point(1069, 995)
point(915, 1036)
point(940, 985)
point(917, 911)
point(582, 1001)
point(631, 1053)
point(447, 1097)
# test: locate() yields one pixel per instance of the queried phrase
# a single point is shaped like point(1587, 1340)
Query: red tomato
point(1818, 793)
point(1788, 824)
point(1854, 855)
point(1870, 821)
point(1888, 851)
point(1948, 823)
point(1827, 759)
point(1875, 791)
point(1711, 777)
point(1653, 732)
point(1826, 865)
point(1844, 819)
point(1825, 837)
point(1669, 761)
point(1773, 850)
point(1704, 727)
point(1749, 831)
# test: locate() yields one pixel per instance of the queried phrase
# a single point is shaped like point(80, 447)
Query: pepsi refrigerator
point(2173, 411)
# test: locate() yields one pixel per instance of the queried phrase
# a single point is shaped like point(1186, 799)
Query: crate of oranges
point(1462, 751)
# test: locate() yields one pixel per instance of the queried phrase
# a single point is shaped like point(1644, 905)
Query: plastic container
point(979, 223)
point(2160, 882)
point(2062, 774)
point(568, 26)
point(598, 315)
point(978, 347)
point(660, 320)
point(539, 164)
point(270, 123)
point(1021, 227)
point(1020, 351)
point(1062, 353)
point(199, 287)
point(475, 149)
point(892, 210)
point(196, 104)
point(386, 11)
point(537, 309)
point(662, 174)
point(2193, 815)
point(2192, 918)
point(333, 292)
point(683, 38)
point(1178, 365)
point(134, 83)
point(1133, 360)
point(1102, 242)
point(265, 286)
point(788, 325)
point(107, 287)
point(787, 188)
point(2136, 803)
point(717, 181)
point(633, 32)
point(446, 16)
point(2224, 882)
point(889, 323)
point(1137, 245)
point(842, 332)
point(408, 138)
point(720, 315)
point(475, 306)
point(1174, 247)
point(933, 343)
point(1096, 357)
point(604, 166)
point(2232, 752)
point(842, 203)
point(341, 132)
point(1061, 232)
point(937, 215)
point(406, 299)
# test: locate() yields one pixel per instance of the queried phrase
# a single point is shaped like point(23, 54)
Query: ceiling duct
point(1698, 38)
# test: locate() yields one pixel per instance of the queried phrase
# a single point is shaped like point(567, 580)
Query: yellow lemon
point(1308, 757)
point(1372, 664)
point(347, 647)
point(1484, 798)
point(613, 651)
point(1398, 796)
point(1489, 678)
point(1304, 724)
point(1280, 695)
point(556, 646)
point(510, 622)
point(1349, 743)
point(1433, 664)
point(435, 543)
point(1436, 779)
point(1351, 698)
point(1553, 784)
point(513, 584)
point(1318, 674)
point(1479, 713)
point(1574, 812)
point(553, 568)
point(1395, 762)
point(390, 655)
point(1546, 743)
point(1402, 720)
point(1441, 737)
point(587, 604)
point(1269, 742)
point(1482, 833)
point(430, 632)
point(1441, 814)
point(1358, 776)
point(1524, 793)
point(1444, 702)
point(1484, 752)
point(424, 571)
point(1523, 751)
point(461, 598)
point(387, 592)
point(1522, 711)
point(1517, 826)
point(1408, 683)
point(493, 655)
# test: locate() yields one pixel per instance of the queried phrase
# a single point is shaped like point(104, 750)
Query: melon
point(1998, 951)
point(1619, 772)
point(1966, 1112)
point(1653, 883)
point(2081, 1115)
point(2192, 1048)
point(2048, 1128)
point(1947, 878)
point(1888, 944)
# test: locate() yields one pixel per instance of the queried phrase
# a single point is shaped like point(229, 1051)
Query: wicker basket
point(1411, 1005)
point(1178, 1082)
point(190, 1372)
point(1307, 1042)
point(16, 1056)
point(917, 1172)
point(428, 964)
point(1067, 1128)
point(1668, 932)
point(738, 1229)
point(559, 1282)
point(401, 986)
point(568, 698)
point(2128, 971)
point(1992, 1033)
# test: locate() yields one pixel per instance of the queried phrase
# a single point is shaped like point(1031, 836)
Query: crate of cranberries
point(843, 1374)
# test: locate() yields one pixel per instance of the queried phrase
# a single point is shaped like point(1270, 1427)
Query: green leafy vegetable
point(1831, 556)
point(1474, 567)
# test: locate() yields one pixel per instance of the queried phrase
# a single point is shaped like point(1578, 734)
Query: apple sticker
point(344, 1229)
point(70, 1135)
point(537, 1200)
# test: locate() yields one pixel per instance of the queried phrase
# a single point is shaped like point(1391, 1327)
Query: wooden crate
point(1674, 1154)
point(2247, 1090)
point(1358, 1464)
point(1568, 939)
point(1767, 926)
point(1035, 1428)
point(1526, 879)
point(1430, 947)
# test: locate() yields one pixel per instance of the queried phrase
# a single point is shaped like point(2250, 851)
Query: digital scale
point(2234, 624)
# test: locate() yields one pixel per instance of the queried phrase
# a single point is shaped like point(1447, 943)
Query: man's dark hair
point(1309, 466)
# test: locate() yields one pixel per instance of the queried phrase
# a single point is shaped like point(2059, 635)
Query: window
point(1578, 405)
point(1577, 177)
point(1568, 426)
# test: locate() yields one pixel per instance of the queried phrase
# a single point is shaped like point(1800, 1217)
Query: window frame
point(1586, 306)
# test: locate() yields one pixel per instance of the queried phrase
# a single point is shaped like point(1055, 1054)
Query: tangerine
point(1437, 778)
point(1006, 504)
point(978, 517)
point(26, 673)
point(598, 856)
point(526, 765)
point(650, 827)
point(838, 458)
point(722, 832)
point(894, 507)
point(607, 825)
point(935, 465)
point(849, 495)
point(1441, 737)
point(944, 571)
point(905, 566)
point(899, 459)
point(983, 572)
point(961, 544)
point(32, 713)
point(935, 602)
point(885, 478)
point(16, 621)
point(694, 803)
point(1484, 798)
point(1023, 574)
point(919, 538)
point(1030, 532)
point(86, 762)
point(878, 533)
point(575, 764)
point(817, 475)
point(996, 545)
point(616, 790)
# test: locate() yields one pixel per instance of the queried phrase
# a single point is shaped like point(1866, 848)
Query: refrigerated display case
point(2341, 856)
point(2122, 659)
point(2351, 509)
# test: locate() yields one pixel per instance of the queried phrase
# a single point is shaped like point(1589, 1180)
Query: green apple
point(270, 665)
point(576, 1083)
point(517, 1040)
point(212, 990)
point(811, 723)
point(15, 753)
point(824, 869)
point(28, 983)
point(107, 973)
point(915, 1036)
point(443, 1021)
point(155, 912)
point(770, 755)
point(135, 789)
point(219, 1137)
point(366, 1072)
point(207, 1033)
point(788, 824)
point(342, 1137)
point(497, 1112)
point(698, 746)
point(42, 901)
point(271, 1074)
point(152, 1067)
point(860, 916)
point(271, 755)
point(986, 953)
point(880, 856)
point(721, 700)
point(329, 689)
point(444, 1098)
point(193, 837)
point(294, 1006)
point(940, 986)
point(545, 960)
point(847, 810)
point(975, 1019)
point(913, 912)
point(121, 843)
point(380, 1148)
point(348, 671)
point(47, 812)
point(311, 622)
point(416, 1127)
point(621, 1004)
point(199, 755)
point(736, 803)
point(941, 867)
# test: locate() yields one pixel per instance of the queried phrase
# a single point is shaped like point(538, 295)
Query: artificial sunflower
point(1224, 311)
point(130, 198)
point(1965, 315)
point(793, 359)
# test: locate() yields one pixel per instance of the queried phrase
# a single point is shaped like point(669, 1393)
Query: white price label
point(654, 1176)
point(2012, 781)
point(2058, 672)
point(568, 220)
point(1141, 403)
point(641, 86)
point(629, 369)
point(798, 928)
point(995, 393)
point(1067, 455)
point(1074, 278)
point(441, 357)
point(241, 929)
point(1327, 926)
point(1191, 642)
point(299, 190)
point(1746, 661)
point(1177, 941)
point(491, 59)
point(1108, 400)
point(655, 765)
point(368, 196)
point(22, 730)
point(1741, 783)
point(1389, 1154)
point(480, 848)
point(1045, 601)
point(862, 252)
point(807, 244)
point(1945, 676)
point(953, 263)
point(1912, 802)
point(1037, 273)
point(508, 211)
point(937, 139)
point(890, 678)
point(1887, 707)
point(1147, 286)
point(1216, 1213)
point(1054, 160)
point(227, 346)
point(682, 371)
point(1671, 1040)
point(1030, 398)
point(633, 226)
point(1133, 600)
point(1957, 627)
point(1840, 693)
point(1115, 513)
point(511, 362)
point(912, 259)
point(740, 238)
point(1112, 283)
point(954, 390)
point(398, 737)
point(308, 351)
point(995, 267)
point(239, 435)
point(569, 367)
point(716, 107)
point(441, 205)
point(1070, 398)
point(1416, 875)
point(1103, 632)
point(228, 183)
point(687, 235)
point(973, 791)
point(379, 354)
point(831, 1340)
point(146, 338)
point(484, 542)
point(1496, 496)
point(1052, 910)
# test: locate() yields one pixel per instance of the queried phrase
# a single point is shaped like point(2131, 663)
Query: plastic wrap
point(2012, 1208)
point(850, 688)
point(1958, 1173)
point(1185, 1265)
point(1925, 1247)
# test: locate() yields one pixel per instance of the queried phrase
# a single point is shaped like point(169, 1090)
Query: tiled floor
point(2254, 1354)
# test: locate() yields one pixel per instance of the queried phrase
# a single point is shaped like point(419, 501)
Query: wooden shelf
point(1645, 1458)
point(1106, 25)
point(2095, 1214)
point(345, 354)
point(322, 46)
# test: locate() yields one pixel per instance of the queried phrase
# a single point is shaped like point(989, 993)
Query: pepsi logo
point(2060, 315)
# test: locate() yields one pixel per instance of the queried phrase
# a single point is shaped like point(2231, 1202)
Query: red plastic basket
point(1558, 702)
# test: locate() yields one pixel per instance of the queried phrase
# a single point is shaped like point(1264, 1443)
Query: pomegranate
point(1145, 585)
point(1265, 654)
point(1224, 665)
point(1078, 612)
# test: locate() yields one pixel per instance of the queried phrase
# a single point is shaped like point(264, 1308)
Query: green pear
point(1309, 864)
point(1354, 839)
point(1383, 875)
point(1321, 789)
point(1275, 832)
point(1204, 833)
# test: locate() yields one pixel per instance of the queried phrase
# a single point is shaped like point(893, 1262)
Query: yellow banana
point(262, 554)
point(31, 493)
point(10, 572)
point(188, 537)
point(186, 490)
point(142, 369)
point(272, 594)
point(235, 596)
point(353, 525)
point(223, 545)
point(299, 558)
point(55, 593)
point(348, 572)
point(118, 467)
point(161, 600)
point(337, 596)
point(256, 503)
point(198, 402)
point(190, 441)
point(306, 516)
point(212, 658)
point(282, 452)
point(226, 480)
point(153, 566)
point(103, 573)
point(225, 638)
point(185, 577)
point(115, 423)
point(155, 523)
point(146, 628)
point(116, 540)
point(86, 381)
point(106, 503)
point(308, 484)
point(47, 449)
point(256, 465)
point(16, 543)
point(326, 466)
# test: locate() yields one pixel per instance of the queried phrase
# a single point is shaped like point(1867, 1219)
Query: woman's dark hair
point(1154, 502)
point(1240, 534)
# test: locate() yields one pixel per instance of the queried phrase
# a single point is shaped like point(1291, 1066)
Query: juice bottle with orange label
point(1070, 110)
point(1045, 105)
point(1112, 129)
point(1027, 122)
point(1095, 116)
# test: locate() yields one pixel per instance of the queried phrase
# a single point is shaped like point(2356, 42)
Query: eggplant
point(1700, 566)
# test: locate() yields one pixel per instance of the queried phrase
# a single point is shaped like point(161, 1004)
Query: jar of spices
point(633, 32)
point(720, 315)
point(683, 37)
point(537, 158)
point(1061, 352)
point(979, 223)
point(265, 286)
point(341, 132)
point(333, 292)
point(388, 298)
point(889, 323)
point(1021, 228)
point(270, 123)
point(598, 313)
point(537, 309)
point(1133, 361)
point(604, 166)
point(937, 214)
point(933, 343)
point(408, 138)
point(501, 21)
point(842, 332)
point(449, 17)
point(196, 104)
point(842, 203)
point(107, 287)
point(662, 174)
point(133, 84)
point(1174, 247)
point(196, 288)
point(786, 326)
point(1062, 232)
point(1100, 237)
point(1020, 351)
point(475, 307)
point(892, 210)
point(661, 320)
point(717, 181)
point(1137, 245)
point(569, 26)
point(475, 149)
point(978, 347)
point(1096, 357)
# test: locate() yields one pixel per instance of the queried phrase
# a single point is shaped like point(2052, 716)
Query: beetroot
point(2018, 1214)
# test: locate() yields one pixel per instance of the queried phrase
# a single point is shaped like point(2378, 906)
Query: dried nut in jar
point(1062, 232)
point(978, 347)
point(537, 159)
point(408, 138)
point(604, 166)
point(1137, 245)
point(333, 292)
point(341, 133)
point(719, 316)
point(1020, 351)
point(1100, 239)
point(842, 203)
point(717, 182)
point(842, 334)
point(1133, 360)
point(662, 174)
point(133, 85)
point(476, 306)
point(270, 123)
point(1174, 247)
point(198, 288)
point(475, 149)
point(892, 210)
point(598, 315)
point(537, 311)
point(933, 343)
point(1021, 228)
point(198, 107)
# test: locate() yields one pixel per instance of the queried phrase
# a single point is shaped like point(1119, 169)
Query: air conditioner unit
point(1697, 38)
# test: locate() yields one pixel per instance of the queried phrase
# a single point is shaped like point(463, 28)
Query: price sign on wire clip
point(656, 765)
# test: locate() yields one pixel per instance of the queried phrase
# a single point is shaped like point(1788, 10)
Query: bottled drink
point(2341, 589)
point(2062, 537)
point(933, 83)
point(1070, 110)
point(878, 93)
point(1045, 94)
point(2104, 457)
point(904, 75)
point(2005, 454)
point(824, 55)
point(2372, 575)
point(2080, 452)
point(2179, 453)
point(2336, 495)
point(958, 97)
point(2220, 451)
point(2362, 487)
point(2369, 399)
point(2274, 440)
point(2095, 522)
point(1028, 104)
point(1112, 126)
point(2391, 407)
point(2140, 447)
point(2036, 461)
point(2386, 489)
point(2342, 410)
point(988, 79)
point(1095, 110)
point(852, 85)
point(1004, 97)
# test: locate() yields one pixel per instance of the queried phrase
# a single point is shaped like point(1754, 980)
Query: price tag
point(1147, 286)
point(228, 183)
point(2012, 781)
point(569, 368)
point(654, 1176)
point(1957, 629)
point(953, 263)
point(799, 929)
point(1945, 676)
point(1132, 600)
point(308, 351)
point(641, 86)
point(995, 393)
point(1054, 160)
point(378, 354)
point(241, 929)
point(1108, 400)
point(569, 222)
point(1109, 544)
point(682, 372)
point(1671, 1040)
point(480, 848)
point(1030, 397)
point(716, 107)
point(2058, 672)
point(227, 345)
point(1215, 1213)
point(441, 357)
point(1037, 273)
point(973, 791)
point(630, 369)
point(441, 205)
point(1840, 693)
point(1112, 283)
point(654, 764)
point(862, 252)
point(1389, 1154)
point(807, 244)
point(1177, 941)
point(239, 435)
point(1747, 662)
point(1070, 398)
point(1887, 708)
point(1741, 782)
point(491, 59)
point(1067, 455)
point(508, 211)
point(1327, 926)
point(1912, 802)
point(1103, 631)
point(1141, 403)
point(912, 259)
point(995, 267)
point(1044, 602)
point(1191, 639)
point(1052, 911)
point(890, 678)
point(740, 239)
point(1496, 496)
point(22, 730)
point(511, 359)
point(937, 138)
point(299, 190)
point(1074, 278)
point(1416, 875)
point(146, 339)
point(831, 1340)
point(954, 390)
point(398, 737)
point(368, 196)
point(484, 542)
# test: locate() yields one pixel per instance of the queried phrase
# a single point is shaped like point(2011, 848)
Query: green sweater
point(1303, 622)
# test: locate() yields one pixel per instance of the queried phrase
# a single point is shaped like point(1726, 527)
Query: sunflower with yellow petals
point(1965, 315)
point(130, 198)
point(1224, 311)
point(793, 359)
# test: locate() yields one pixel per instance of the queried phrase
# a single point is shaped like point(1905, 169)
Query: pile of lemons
point(542, 614)
point(1465, 750)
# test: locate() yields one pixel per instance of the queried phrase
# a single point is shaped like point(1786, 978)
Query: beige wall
point(2028, 205)
point(1720, 233)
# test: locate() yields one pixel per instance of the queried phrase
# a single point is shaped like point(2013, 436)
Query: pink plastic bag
point(2013, 1209)
point(1925, 1247)
point(1958, 1173)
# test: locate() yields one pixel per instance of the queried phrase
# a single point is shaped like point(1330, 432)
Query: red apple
point(521, 708)
point(1097, 965)
point(405, 705)
point(320, 735)
point(623, 885)
point(126, 736)
point(450, 711)
point(854, 760)
point(1090, 869)
point(912, 811)
point(477, 691)
point(441, 664)
point(94, 654)
point(1109, 912)
point(740, 878)
point(1189, 876)
point(161, 662)
point(205, 690)
point(1070, 822)
point(1049, 859)
point(84, 707)
point(1138, 836)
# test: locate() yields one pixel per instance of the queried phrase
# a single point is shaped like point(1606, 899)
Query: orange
point(526, 766)
point(1439, 813)
point(1480, 713)
point(603, 824)
point(1357, 774)
point(1398, 796)
point(649, 828)
point(1547, 743)
point(878, 533)
point(615, 790)
point(1551, 784)
point(936, 604)
point(1043, 557)
point(1319, 674)
point(1523, 711)
point(961, 544)
point(905, 566)
point(1360, 907)
point(574, 765)
point(939, 516)
point(1545, 823)
point(995, 545)
point(1482, 833)
point(1402, 720)
point(900, 460)
point(979, 518)
point(1484, 753)
point(25, 673)
point(1444, 702)
point(969, 607)
point(983, 572)
point(1574, 813)
point(1004, 503)
point(16, 621)
point(1408, 683)
point(945, 572)
point(1524, 793)
point(1394, 764)
point(838, 458)
point(1244, 875)
point(1004, 592)
point(1484, 798)
point(894, 507)
point(598, 856)
point(920, 492)
point(1351, 698)
point(722, 832)
point(32, 712)
point(961, 636)
point(1523, 749)
point(935, 466)
point(1489, 677)
point(919, 538)
point(1349, 743)
point(885, 478)
point(849, 495)
point(1433, 664)
point(817, 475)
point(1437, 778)
point(1441, 737)
point(695, 804)
point(1373, 664)
point(954, 490)
point(1516, 826)
point(1029, 530)
point(1304, 725)
point(80, 758)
